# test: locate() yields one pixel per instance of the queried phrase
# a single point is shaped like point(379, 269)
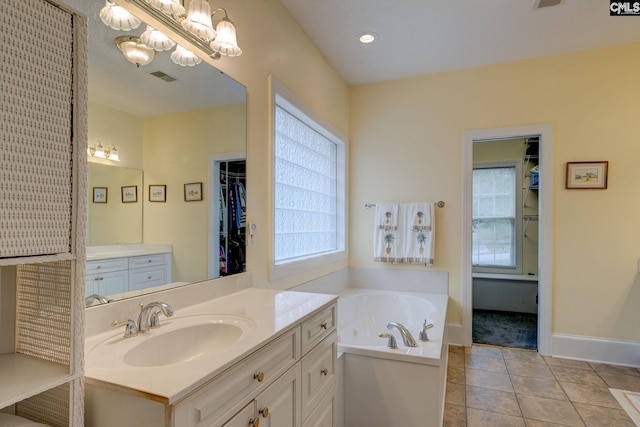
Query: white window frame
point(517, 220)
point(284, 98)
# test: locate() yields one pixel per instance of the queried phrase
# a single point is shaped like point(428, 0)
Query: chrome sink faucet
point(149, 313)
point(95, 297)
point(408, 339)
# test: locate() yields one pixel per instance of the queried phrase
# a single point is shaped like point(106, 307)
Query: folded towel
point(420, 236)
point(387, 216)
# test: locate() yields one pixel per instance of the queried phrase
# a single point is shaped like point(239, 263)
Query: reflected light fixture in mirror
point(98, 151)
point(197, 21)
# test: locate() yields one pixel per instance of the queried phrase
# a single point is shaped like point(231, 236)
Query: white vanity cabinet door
point(318, 373)
point(107, 283)
point(325, 414)
point(279, 405)
point(140, 278)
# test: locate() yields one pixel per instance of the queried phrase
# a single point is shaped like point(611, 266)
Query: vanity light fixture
point(135, 51)
point(117, 17)
point(98, 151)
point(197, 21)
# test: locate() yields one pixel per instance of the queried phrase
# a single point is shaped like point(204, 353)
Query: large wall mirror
point(171, 126)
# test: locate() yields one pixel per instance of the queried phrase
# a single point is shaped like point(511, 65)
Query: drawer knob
point(148, 260)
point(254, 422)
point(259, 376)
point(324, 372)
point(98, 267)
point(149, 277)
point(264, 412)
point(323, 325)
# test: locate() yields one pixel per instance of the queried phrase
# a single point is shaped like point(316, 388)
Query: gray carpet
point(506, 329)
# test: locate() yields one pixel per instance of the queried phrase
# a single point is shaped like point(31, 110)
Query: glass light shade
point(99, 151)
point(172, 7)
point(184, 57)
point(118, 18)
point(156, 40)
point(135, 51)
point(198, 20)
point(226, 42)
point(113, 154)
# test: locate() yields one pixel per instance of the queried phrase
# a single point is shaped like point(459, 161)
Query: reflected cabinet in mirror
point(172, 209)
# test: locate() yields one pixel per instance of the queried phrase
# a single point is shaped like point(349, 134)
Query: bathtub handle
point(392, 340)
point(423, 331)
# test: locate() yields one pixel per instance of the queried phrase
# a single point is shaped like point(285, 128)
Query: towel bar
point(439, 204)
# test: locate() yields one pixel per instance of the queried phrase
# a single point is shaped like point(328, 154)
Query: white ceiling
point(417, 37)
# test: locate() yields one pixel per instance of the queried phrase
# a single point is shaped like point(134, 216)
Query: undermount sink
point(177, 340)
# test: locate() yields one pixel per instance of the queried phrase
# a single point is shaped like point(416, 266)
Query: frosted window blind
point(494, 217)
point(305, 190)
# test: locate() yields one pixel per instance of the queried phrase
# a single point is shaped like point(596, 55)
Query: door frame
point(545, 223)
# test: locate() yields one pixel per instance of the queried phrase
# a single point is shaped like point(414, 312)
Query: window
point(497, 190)
point(308, 200)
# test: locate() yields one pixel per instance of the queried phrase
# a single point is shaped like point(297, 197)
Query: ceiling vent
point(547, 3)
point(163, 76)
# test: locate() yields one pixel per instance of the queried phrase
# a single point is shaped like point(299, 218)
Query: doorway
point(543, 291)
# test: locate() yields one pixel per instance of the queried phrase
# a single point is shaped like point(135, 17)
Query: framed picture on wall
point(99, 194)
point(587, 175)
point(157, 193)
point(130, 194)
point(193, 192)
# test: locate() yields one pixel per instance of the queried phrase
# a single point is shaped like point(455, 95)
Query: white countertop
point(272, 311)
point(120, 251)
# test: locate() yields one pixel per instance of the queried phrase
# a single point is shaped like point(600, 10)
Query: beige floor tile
point(599, 396)
point(622, 382)
point(455, 374)
point(549, 410)
point(538, 387)
point(528, 369)
point(536, 423)
point(456, 359)
point(558, 361)
point(503, 402)
point(456, 349)
point(598, 416)
point(522, 355)
point(577, 375)
point(613, 369)
point(484, 351)
point(455, 394)
point(480, 418)
point(455, 416)
point(487, 379)
point(492, 364)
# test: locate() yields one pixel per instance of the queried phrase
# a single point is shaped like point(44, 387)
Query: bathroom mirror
point(173, 128)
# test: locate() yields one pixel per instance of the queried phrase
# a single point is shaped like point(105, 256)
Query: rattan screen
point(36, 75)
point(43, 311)
point(50, 407)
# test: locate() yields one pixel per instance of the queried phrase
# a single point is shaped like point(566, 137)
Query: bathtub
point(392, 387)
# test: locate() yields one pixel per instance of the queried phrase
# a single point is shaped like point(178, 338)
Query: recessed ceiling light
point(367, 38)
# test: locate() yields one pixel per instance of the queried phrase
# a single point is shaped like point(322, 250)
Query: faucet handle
point(130, 330)
point(392, 340)
point(423, 331)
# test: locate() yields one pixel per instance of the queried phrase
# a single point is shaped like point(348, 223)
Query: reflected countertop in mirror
point(172, 130)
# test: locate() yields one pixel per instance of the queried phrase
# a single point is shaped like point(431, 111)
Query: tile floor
point(495, 386)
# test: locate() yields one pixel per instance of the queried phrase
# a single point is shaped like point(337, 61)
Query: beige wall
point(406, 144)
point(273, 43)
point(176, 151)
point(114, 127)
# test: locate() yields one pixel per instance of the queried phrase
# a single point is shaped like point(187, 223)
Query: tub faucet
point(423, 331)
point(149, 313)
point(409, 341)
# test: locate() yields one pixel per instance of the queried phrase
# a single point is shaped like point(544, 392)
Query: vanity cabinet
point(289, 381)
point(108, 276)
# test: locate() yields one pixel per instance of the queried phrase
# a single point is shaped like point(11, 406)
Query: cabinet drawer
point(140, 278)
point(242, 418)
point(318, 373)
point(107, 265)
point(217, 401)
point(316, 328)
point(147, 261)
point(325, 414)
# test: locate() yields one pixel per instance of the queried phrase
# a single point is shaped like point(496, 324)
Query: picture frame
point(129, 194)
point(193, 192)
point(157, 193)
point(100, 194)
point(587, 175)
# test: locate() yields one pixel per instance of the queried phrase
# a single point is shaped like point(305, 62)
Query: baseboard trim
point(591, 349)
point(454, 334)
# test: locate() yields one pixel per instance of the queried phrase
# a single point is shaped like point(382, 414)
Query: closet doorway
point(507, 237)
point(227, 214)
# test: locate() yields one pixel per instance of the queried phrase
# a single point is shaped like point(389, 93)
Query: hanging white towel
point(387, 242)
point(387, 216)
point(418, 231)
